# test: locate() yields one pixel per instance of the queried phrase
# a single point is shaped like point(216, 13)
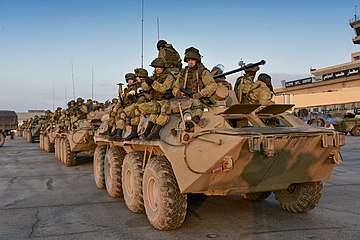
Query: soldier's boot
point(117, 136)
point(107, 132)
point(148, 129)
point(154, 133)
point(113, 133)
point(133, 134)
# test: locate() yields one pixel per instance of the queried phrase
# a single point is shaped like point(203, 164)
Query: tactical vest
point(128, 100)
point(172, 57)
point(160, 79)
point(191, 79)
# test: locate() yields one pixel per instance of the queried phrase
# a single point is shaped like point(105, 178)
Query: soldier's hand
point(139, 90)
point(132, 92)
point(149, 81)
point(197, 96)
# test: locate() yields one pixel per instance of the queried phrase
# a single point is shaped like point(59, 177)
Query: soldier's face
point(191, 63)
point(131, 81)
point(159, 70)
point(139, 79)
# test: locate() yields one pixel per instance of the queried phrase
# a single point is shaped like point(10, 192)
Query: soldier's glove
point(149, 81)
point(197, 96)
point(132, 92)
point(139, 90)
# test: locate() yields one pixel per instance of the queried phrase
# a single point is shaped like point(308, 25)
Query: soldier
point(218, 69)
point(198, 80)
point(168, 52)
point(244, 83)
point(57, 114)
point(261, 91)
point(89, 105)
point(159, 109)
point(122, 110)
point(80, 110)
point(141, 74)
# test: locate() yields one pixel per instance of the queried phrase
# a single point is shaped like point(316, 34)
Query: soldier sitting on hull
point(157, 87)
point(168, 52)
point(244, 83)
point(123, 109)
point(261, 91)
point(141, 74)
point(218, 69)
point(196, 79)
point(80, 110)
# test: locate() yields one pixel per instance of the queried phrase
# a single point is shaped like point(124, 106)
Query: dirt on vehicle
point(244, 149)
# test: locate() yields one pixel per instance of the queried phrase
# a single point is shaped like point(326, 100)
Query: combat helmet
point(79, 100)
point(160, 44)
point(192, 53)
point(129, 76)
point(141, 72)
point(159, 62)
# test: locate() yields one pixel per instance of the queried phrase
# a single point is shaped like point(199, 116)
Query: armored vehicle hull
point(349, 125)
point(242, 149)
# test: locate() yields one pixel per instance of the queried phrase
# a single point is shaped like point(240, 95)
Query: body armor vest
point(172, 57)
point(160, 79)
point(191, 79)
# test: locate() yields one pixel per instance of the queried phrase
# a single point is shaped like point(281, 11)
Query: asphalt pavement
point(40, 198)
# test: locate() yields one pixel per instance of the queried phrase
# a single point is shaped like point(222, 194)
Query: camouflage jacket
point(162, 83)
point(197, 80)
point(171, 55)
point(242, 88)
point(260, 93)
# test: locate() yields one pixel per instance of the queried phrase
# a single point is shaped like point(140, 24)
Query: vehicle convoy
point(78, 139)
point(47, 137)
point(350, 124)
point(244, 149)
point(8, 124)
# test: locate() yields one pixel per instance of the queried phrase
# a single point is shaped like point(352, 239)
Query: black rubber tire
point(61, 151)
point(112, 171)
point(256, 196)
point(355, 131)
point(300, 197)
point(69, 156)
point(132, 176)
point(165, 206)
point(2, 139)
point(98, 166)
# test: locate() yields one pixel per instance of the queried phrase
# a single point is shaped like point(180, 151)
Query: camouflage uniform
point(244, 83)
point(79, 111)
point(168, 52)
point(198, 80)
point(261, 91)
point(219, 69)
point(158, 108)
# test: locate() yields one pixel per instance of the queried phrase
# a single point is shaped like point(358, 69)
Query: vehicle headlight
point(187, 117)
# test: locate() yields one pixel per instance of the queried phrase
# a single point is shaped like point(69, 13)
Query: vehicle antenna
point(92, 83)
point(142, 33)
point(72, 76)
point(158, 28)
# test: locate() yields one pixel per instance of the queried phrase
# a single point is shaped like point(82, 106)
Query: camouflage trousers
point(122, 114)
point(159, 112)
point(196, 109)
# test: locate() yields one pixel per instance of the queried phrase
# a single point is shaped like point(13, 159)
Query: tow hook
point(335, 157)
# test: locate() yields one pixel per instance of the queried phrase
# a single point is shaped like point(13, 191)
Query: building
point(333, 88)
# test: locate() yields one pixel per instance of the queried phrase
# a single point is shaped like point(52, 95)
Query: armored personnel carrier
point(32, 131)
point(78, 139)
point(244, 149)
point(47, 137)
point(350, 124)
point(8, 124)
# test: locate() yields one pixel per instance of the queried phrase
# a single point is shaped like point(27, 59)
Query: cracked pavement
point(42, 199)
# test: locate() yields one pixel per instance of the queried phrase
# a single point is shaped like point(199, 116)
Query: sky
point(46, 44)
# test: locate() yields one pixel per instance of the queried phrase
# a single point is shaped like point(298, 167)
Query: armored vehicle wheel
point(50, 146)
point(165, 206)
point(61, 150)
point(46, 143)
point(132, 176)
point(300, 197)
point(98, 165)
point(112, 171)
point(56, 148)
point(32, 139)
point(41, 141)
point(256, 196)
point(355, 131)
point(2, 139)
point(69, 156)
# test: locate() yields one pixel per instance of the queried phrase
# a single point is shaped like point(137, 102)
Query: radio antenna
point(92, 83)
point(142, 33)
point(72, 76)
point(158, 28)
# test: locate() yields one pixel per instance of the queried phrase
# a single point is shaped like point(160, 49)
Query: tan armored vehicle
point(47, 137)
point(244, 149)
point(32, 131)
point(79, 139)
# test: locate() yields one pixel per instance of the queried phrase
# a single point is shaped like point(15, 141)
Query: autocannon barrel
point(262, 62)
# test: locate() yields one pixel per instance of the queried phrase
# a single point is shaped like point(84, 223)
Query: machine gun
point(250, 65)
